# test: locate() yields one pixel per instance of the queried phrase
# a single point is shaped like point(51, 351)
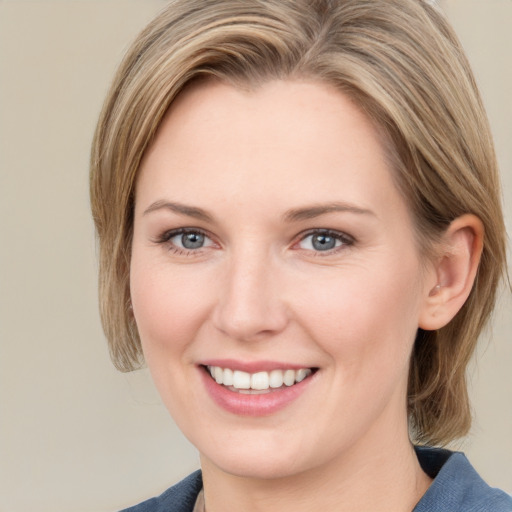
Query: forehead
point(284, 142)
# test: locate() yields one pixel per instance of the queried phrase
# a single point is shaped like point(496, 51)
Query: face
point(272, 249)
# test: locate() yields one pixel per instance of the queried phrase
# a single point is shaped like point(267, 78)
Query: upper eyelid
point(169, 233)
point(326, 231)
point(166, 235)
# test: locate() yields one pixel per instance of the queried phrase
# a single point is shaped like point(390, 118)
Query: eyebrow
point(311, 212)
point(293, 215)
point(181, 209)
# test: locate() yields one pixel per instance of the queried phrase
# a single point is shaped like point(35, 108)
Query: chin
point(264, 459)
point(257, 468)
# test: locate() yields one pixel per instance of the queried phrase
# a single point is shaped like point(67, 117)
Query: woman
point(300, 233)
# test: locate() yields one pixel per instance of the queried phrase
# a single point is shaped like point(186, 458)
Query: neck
point(384, 476)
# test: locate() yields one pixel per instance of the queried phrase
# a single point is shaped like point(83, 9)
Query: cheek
point(169, 310)
point(365, 319)
point(168, 307)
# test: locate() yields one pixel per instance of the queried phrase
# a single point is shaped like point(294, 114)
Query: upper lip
point(252, 366)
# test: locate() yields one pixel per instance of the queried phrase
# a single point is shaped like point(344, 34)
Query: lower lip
point(253, 405)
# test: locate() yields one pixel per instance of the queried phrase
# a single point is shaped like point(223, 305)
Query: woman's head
point(400, 64)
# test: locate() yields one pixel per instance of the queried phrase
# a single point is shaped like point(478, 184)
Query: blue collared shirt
point(457, 487)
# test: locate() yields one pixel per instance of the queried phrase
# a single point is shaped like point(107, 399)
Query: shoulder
point(178, 498)
point(457, 486)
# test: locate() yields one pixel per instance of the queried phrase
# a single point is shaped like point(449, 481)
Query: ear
point(454, 272)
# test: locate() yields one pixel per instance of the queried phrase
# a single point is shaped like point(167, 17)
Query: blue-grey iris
point(192, 240)
point(323, 242)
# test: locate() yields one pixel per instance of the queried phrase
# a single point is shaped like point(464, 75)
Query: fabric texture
point(457, 487)
point(178, 498)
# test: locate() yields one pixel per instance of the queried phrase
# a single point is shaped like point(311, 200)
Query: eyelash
point(166, 237)
point(344, 239)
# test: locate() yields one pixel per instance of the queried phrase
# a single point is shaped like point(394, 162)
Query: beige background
point(75, 435)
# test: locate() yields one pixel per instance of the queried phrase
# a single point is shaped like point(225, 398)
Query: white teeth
point(301, 374)
point(276, 378)
point(227, 379)
point(259, 381)
point(289, 377)
point(218, 374)
point(241, 380)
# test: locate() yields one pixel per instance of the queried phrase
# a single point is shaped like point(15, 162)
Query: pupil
point(323, 242)
point(192, 240)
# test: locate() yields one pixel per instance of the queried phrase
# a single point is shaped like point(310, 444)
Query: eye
point(190, 240)
point(324, 241)
point(185, 240)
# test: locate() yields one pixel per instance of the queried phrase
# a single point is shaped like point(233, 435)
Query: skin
point(258, 290)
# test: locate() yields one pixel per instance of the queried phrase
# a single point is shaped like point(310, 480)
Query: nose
point(251, 303)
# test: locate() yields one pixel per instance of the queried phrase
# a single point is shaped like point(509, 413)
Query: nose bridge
point(250, 301)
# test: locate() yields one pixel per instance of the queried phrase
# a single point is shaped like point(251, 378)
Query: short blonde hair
point(403, 65)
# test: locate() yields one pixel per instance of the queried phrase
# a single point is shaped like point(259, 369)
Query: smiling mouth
point(259, 382)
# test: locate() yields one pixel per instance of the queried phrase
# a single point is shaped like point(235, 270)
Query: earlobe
point(455, 271)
